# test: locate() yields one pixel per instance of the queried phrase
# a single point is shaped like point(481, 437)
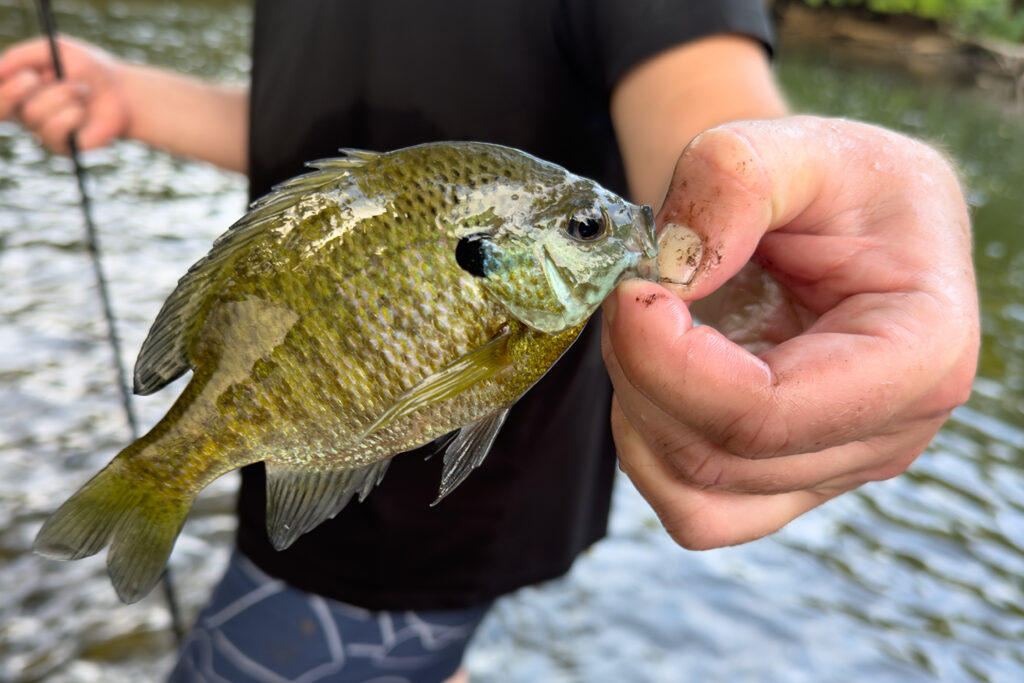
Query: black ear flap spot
point(472, 253)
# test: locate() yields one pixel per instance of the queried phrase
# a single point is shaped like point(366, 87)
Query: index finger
point(820, 389)
point(16, 89)
point(34, 54)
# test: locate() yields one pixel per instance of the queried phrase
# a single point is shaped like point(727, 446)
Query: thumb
point(737, 182)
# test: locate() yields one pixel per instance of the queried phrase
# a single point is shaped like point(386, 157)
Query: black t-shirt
point(532, 74)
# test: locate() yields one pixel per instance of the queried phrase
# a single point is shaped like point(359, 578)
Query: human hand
point(89, 101)
point(866, 342)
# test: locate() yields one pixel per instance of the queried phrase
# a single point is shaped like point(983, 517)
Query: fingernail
point(679, 254)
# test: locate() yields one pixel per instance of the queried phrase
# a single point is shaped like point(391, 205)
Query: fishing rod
point(93, 245)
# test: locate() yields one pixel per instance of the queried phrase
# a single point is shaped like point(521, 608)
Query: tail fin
point(140, 521)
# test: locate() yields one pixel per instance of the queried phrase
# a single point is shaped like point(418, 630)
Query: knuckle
point(730, 152)
point(899, 462)
point(51, 142)
point(754, 435)
point(957, 388)
point(33, 111)
point(30, 117)
point(893, 467)
point(768, 483)
point(692, 532)
point(699, 468)
point(692, 541)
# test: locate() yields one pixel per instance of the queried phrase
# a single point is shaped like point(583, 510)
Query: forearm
point(663, 103)
point(186, 116)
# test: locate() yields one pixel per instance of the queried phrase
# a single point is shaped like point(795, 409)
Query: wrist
point(131, 84)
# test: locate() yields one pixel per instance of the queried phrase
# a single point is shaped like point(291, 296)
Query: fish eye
point(473, 255)
point(586, 226)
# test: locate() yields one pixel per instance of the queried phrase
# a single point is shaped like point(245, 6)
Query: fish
point(371, 305)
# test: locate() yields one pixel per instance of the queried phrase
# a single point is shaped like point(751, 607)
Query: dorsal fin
point(299, 499)
point(165, 352)
point(285, 193)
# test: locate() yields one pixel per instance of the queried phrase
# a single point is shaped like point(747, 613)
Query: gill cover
point(555, 272)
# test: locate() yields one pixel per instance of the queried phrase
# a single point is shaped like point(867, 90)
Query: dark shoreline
point(925, 48)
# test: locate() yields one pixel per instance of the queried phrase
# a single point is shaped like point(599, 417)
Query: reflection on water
point(916, 578)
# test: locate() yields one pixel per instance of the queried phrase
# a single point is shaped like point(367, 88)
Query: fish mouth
point(647, 269)
point(643, 241)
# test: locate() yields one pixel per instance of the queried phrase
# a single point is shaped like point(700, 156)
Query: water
point(918, 578)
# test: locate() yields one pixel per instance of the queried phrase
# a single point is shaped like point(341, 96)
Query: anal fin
point(468, 450)
point(299, 499)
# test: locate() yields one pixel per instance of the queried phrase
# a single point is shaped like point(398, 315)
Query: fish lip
point(643, 240)
point(647, 269)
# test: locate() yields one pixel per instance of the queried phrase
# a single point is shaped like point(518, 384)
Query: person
point(839, 252)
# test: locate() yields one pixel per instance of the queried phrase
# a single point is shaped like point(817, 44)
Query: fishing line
point(92, 243)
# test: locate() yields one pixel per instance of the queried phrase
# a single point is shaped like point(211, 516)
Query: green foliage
point(1003, 18)
point(931, 9)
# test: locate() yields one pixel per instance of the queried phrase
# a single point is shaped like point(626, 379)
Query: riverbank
point(925, 48)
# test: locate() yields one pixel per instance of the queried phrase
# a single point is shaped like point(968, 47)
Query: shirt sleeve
point(606, 38)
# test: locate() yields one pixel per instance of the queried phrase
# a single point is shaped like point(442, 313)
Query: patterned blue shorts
point(257, 629)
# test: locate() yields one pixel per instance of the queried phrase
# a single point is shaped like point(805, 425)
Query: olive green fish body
point(358, 311)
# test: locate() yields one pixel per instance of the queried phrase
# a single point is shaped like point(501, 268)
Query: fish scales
point(379, 338)
point(358, 311)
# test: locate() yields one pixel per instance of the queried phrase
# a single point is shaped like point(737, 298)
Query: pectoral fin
point(476, 366)
point(468, 450)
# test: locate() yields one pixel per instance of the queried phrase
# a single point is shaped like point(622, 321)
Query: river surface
point(915, 579)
